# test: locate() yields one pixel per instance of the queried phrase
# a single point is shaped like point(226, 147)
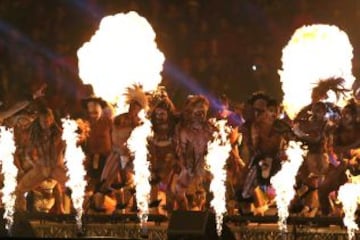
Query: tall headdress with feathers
point(135, 93)
point(336, 85)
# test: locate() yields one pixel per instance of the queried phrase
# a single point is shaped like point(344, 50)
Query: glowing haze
point(9, 171)
point(284, 180)
point(218, 152)
point(349, 195)
point(74, 158)
point(314, 53)
point(137, 144)
point(121, 53)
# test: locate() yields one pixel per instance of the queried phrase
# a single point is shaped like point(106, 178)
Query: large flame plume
point(121, 53)
point(316, 52)
point(218, 152)
point(74, 157)
point(9, 170)
point(137, 144)
point(284, 181)
point(349, 195)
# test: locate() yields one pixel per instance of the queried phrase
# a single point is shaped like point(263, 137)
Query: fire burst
point(349, 195)
point(74, 158)
point(137, 144)
point(123, 52)
point(9, 170)
point(314, 53)
point(218, 152)
point(284, 182)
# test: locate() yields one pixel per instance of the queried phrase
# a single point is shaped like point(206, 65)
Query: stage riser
point(120, 231)
point(269, 235)
point(132, 231)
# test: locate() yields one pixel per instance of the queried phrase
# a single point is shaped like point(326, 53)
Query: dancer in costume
point(193, 134)
point(118, 174)
point(312, 126)
point(47, 148)
point(162, 149)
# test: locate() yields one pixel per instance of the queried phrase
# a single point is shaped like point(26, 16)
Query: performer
point(346, 139)
point(97, 146)
point(118, 173)
point(265, 146)
point(20, 120)
point(224, 112)
point(22, 104)
point(235, 164)
point(44, 197)
point(47, 149)
point(312, 126)
point(193, 134)
point(162, 149)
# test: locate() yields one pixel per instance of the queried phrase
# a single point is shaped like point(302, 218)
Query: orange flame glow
point(218, 152)
point(137, 144)
point(74, 158)
point(284, 180)
point(314, 53)
point(349, 195)
point(121, 53)
point(9, 170)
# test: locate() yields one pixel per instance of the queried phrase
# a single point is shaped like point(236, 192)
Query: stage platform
point(127, 227)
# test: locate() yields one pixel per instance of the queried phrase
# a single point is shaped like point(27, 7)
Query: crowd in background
point(231, 47)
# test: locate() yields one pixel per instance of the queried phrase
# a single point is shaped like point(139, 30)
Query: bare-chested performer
point(264, 148)
point(117, 175)
point(162, 150)
point(193, 135)
point(47, 149)
point(346, 138)
point(98, 144)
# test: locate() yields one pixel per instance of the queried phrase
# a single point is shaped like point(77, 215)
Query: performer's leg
point(154, 202)
point(59, 199)
point(59, 174)
point(170, 201)
point(120, 200)
point(260, 202)
point(334, 178)
point(128, 199)
point(155, 191)
point(182, 202)
point(95, 170)
point(111, 169)
point(29, 181)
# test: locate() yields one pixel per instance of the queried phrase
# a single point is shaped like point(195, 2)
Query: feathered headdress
point(137, 94)
point(333, 84)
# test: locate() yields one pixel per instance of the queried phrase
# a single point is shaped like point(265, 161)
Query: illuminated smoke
point(137, 144)
point(284, 180)
point(9, 171)
point(74, 157)
point(121, 53)
point(314, 53)
point(218, 152)
point(349, 195)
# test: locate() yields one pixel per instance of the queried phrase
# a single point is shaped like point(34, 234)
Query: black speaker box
point(192, 225)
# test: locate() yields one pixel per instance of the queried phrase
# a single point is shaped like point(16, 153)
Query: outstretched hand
point(40, 91)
